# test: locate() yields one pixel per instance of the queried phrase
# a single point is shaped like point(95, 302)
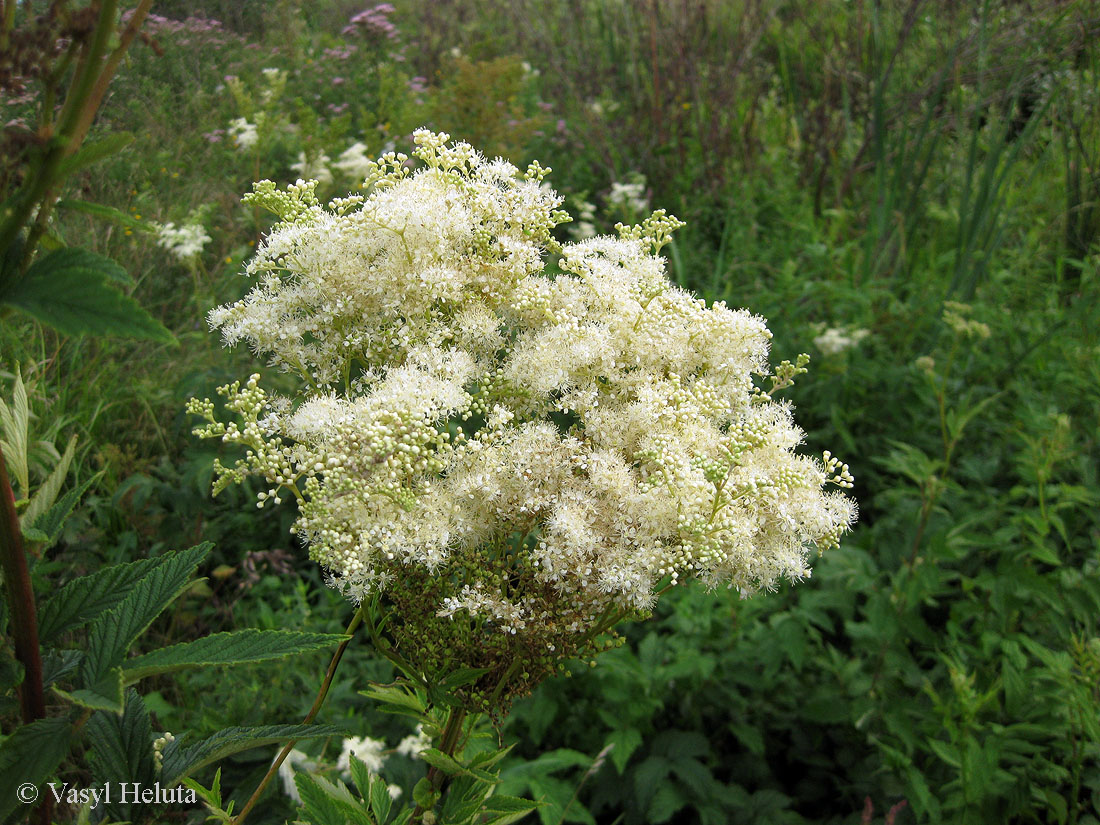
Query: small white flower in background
point(955, 316)
point(629, 196)
point(313, 168)
point(185, 242)
point(394, 791)
point(275, 82)
point(584, 227)
point(244, 134)
point(414, 744)
point(354, 163)
point(294, 760)
point(836, 340)
point(366, 750)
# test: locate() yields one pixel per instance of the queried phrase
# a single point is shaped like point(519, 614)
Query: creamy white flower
point(314, 167)
point(456, 396)
point(243, 133)
point(354, 163)
point(294, 760)
point(629, 196)
point(413, 745)
point(837, 340)
point(366, 750)
point(185, 242)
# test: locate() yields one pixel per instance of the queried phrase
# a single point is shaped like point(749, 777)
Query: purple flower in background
point(337, 81)
point(373, 23)
point(215, 136)
point(418, 84)
point(340, 52)
point(337, 108)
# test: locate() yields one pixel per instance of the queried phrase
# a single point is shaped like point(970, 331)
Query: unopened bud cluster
point(513, 453)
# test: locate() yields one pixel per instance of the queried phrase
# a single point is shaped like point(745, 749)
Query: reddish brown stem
point(24, 622)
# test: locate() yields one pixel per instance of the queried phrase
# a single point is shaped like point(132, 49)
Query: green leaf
point(93, 152)
point(113, 632)
point(318, 807)
point(104, 693)
point(624, 743)
point(667, 801)
point(227, 649)
point(501, 810)
point(445, 763)
point(84, 598)
point(380, 800)
point(108, 213)
point(57, 664)
point(31, 754)
point(15, 422)
point(328, 803)
point(122, 750)
point(68, 290)
point(50, 523)
point(181, 761)
point(396, 700)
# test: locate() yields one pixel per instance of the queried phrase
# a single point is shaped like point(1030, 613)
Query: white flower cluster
point(353, 163)
point(244, 134)
point(185, 242)
point(835, 340)
point(554, 448)
point(313, 167)
point(629, 196)
point(371, 752)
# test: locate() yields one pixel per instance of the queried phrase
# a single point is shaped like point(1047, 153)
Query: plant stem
point(24, 622)
point(322, 694)
point(448, 743)
point(24, 619)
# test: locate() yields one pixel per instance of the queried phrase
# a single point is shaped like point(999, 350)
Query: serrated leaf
point(31, 754)
point(666, 801)
point(462, 676)
point(84, 598)
point(318, 807)
point(445, 763)
point(555, 795)
point(380, 800)
point(486, 759)
point(328, 803)
point(229, 648)
point(67, 292)
point(122, 750)
point(108, 213)
point(57, 664)
point(499, 804)
point(624, 742)
point(51, 522)
point(104, 693)
point(93, 152)
point(15, 421)
point(112, 633)
point(394, 696)
point(181, 761)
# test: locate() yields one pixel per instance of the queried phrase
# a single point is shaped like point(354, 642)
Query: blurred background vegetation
point(909, 191)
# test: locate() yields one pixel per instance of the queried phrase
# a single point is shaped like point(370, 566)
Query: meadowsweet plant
point(496, 458)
